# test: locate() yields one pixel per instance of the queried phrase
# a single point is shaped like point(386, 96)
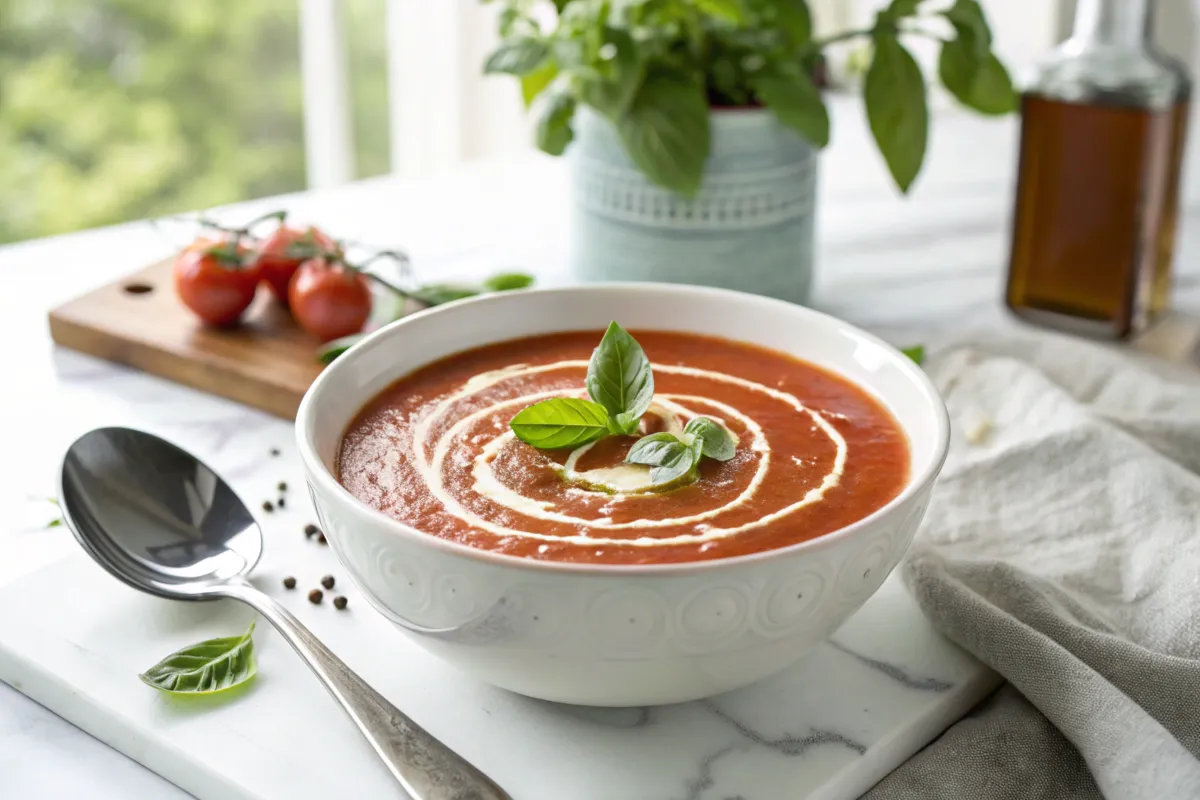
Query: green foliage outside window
point(112, 110)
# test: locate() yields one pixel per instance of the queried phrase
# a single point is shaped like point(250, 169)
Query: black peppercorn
point(274, 451)
point(289, 582)
point(315, 596)
point(321, 539)
point(311, 530)
point(339, 602)
point(267, 507)
point(279, 503)
point(282, 486)
point(327, 581)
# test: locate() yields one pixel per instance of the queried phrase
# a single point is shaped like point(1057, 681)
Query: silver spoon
point(157, 518)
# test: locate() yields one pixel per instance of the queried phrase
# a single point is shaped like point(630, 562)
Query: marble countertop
point(906, 268)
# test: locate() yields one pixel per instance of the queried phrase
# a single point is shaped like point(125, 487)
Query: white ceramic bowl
point(602, 634)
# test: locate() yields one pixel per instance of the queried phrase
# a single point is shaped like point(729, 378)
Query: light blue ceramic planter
point(749, 228)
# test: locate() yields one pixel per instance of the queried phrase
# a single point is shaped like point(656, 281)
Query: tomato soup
point(435, 450)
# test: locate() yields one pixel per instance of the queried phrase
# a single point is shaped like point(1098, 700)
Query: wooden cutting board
point(267, 362)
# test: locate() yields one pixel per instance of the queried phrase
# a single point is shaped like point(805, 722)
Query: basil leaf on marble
point(210, 666)
point(620, 379)
point(436, 294)
point(507, 282)
point(916, 353)
point(561, 422)
point(716, 442)
point(57, 522)
point(667, 456)
point(331, 350)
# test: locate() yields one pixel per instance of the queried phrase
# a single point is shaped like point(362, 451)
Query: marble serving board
point(74, 639)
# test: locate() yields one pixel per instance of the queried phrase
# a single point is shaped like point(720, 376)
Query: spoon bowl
point(158, 519)
point(155, 516)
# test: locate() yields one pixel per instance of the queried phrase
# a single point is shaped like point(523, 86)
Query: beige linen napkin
point(1062, 548)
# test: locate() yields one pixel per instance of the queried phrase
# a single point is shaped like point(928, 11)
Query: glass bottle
point(1096, 132)
point(1167, 235)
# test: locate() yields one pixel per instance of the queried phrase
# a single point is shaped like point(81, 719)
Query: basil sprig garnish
point(561, 422)
point(716, 441)
point(668, 457)
point(620, 384)
point(671, 457)
point(619, 378)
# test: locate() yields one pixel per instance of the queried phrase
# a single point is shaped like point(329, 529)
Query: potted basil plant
point(694, 125)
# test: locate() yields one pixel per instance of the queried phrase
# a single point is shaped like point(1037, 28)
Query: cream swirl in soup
point(435, 450)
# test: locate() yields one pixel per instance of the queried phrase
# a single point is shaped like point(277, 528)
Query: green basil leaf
point(797, 103)
point(436, 294)
point(901, 8)
point(612, 90)
point(554, 131)
point(619, 376)
point(508, 282)
point(992, 91)
point(667, 456)
point(916, 353)
point(516, 56)
point(649, 449)
point(971, 26)
point(560, 422)
point(697, 450)
point(957, 67)
point(666, 131)
point(55, 523)
point(532, 83)
point(984, 86)
point(331, 350)
point(894, 93)
point(793, 19)
point(210, 666)
point(715, 440)
point(624, 424)
point(728, 10)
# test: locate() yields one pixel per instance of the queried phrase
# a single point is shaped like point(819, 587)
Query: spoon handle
point(426, 768)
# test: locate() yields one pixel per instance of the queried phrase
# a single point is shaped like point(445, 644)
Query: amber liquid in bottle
point(1160, 293)
point(1089, 214)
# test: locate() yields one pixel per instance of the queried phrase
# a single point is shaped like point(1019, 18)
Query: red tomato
point(278, 259)
point(216, 280)
point(329, 300)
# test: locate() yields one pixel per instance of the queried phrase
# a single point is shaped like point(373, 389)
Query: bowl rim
point(318, 472)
